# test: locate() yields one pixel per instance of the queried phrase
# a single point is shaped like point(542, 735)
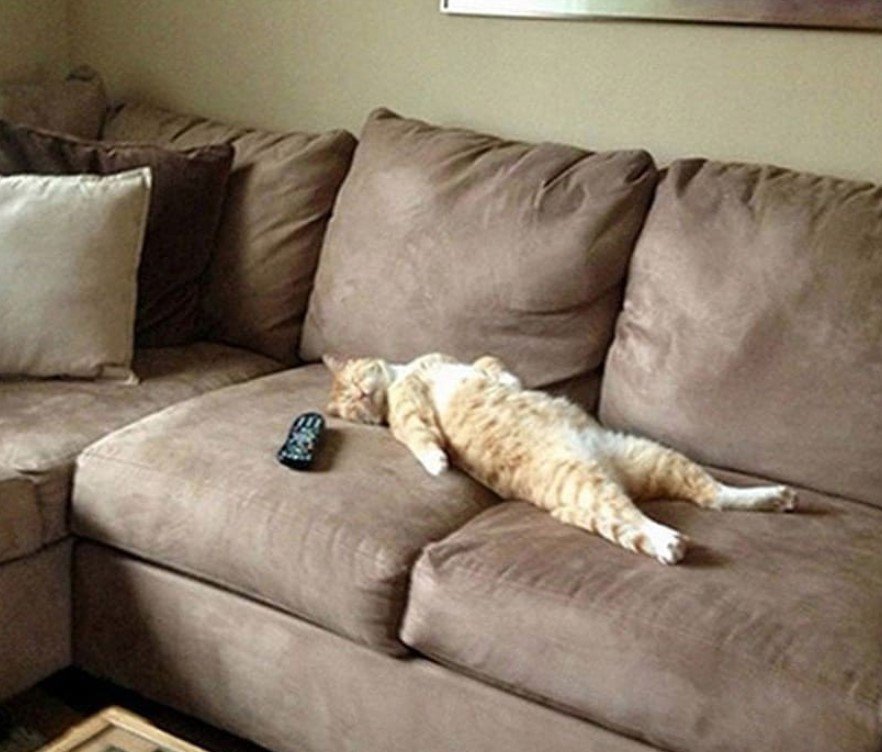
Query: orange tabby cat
point(527, 445)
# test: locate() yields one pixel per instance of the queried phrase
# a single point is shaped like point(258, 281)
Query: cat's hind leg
point(649, 470)
point(600, 505)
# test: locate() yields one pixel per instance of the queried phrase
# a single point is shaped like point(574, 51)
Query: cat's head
point(359, 391)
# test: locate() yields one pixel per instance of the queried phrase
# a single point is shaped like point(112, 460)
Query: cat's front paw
point(666, 545)
point(434, 460)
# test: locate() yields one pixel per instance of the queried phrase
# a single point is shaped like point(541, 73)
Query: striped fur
point(528, 445)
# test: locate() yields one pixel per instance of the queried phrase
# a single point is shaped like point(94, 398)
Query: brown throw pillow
point(751, 336)
point(281, 192)
point(76, 106)
point(445, 239)
point(188, 193)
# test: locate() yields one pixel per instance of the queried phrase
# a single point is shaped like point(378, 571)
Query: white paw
point(757, 499)
point(782, 499)
point(435, 461)
point(667, 545)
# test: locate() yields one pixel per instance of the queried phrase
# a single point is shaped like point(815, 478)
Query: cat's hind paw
point(784, 499)
point(434, 461)
point(772, 499)
point(756, 499)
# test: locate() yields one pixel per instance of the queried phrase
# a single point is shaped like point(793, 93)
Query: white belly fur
point(446, 379)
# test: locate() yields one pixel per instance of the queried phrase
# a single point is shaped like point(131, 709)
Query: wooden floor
point(64, 700)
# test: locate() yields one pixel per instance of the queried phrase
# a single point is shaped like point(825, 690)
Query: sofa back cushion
point(448, 240)
point(280, 194)
point(751, 336)
point(185, 206)
point(76, 106)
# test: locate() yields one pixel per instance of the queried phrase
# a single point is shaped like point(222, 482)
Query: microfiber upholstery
point(75, 106)
point(767, 637)
point(45, 424)
point(280, 194)
point(448, 240)
point(197, 488)
point(751, 334)
point(35, 614)
point(288, 685)
point(21, 531)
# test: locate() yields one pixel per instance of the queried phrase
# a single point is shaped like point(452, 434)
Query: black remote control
point(299, 448)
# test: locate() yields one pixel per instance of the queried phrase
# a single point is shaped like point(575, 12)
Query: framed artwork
point(831, 14)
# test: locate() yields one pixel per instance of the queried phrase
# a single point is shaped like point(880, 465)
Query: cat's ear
point(334, 362)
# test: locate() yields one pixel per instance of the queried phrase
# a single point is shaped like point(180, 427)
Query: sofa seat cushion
point(20, 526)
point(198, 489)
point(767, 637)
point(45, 424)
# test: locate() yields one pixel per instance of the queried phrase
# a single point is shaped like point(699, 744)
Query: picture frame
point(829, 14)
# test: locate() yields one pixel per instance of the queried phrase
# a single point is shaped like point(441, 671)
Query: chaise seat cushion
point(767, 637)
point(45, 424)
point(198, 489)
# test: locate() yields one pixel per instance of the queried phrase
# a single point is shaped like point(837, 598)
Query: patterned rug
point(15, 738)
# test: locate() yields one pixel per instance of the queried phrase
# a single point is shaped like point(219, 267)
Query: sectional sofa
point(148, 535)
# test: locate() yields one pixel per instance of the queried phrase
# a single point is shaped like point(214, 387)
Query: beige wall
point(808, 99)
point(33, 38)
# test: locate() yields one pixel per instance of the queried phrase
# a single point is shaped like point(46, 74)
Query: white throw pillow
point(69, 253)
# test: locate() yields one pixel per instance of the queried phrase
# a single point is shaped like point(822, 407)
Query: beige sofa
point(368, 606)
